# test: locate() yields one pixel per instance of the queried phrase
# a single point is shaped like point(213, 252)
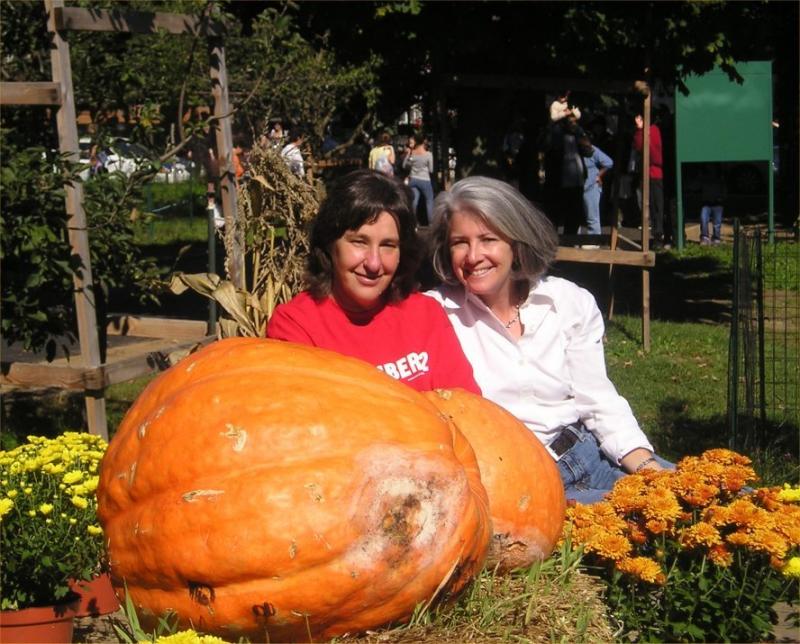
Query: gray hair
point(504, 209)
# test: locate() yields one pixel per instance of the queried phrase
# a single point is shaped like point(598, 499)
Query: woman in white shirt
point(535, 342)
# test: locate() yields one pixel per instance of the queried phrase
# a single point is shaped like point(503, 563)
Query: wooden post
point(76, 224)
point(646, 221)
point(234, 235)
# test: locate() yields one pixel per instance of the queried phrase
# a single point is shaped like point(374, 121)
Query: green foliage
point(34, 250)
point(37, 265)
point(284, 75)
point(702, 603)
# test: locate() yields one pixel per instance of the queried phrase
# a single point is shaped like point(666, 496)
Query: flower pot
point(97, 596)
point(38, 624)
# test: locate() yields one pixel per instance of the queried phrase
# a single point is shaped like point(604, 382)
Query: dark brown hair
point(352, 201)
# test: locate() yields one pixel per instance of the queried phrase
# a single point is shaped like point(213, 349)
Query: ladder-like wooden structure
point(93, 376)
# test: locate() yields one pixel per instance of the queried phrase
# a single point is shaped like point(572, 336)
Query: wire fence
point(764, 355)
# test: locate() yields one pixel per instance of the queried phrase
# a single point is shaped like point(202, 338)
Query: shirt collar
point(456, 296)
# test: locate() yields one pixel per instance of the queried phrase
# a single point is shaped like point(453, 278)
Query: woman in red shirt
point(361, 298)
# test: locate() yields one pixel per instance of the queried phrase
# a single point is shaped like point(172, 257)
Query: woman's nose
point(473, 253)
point(372, 260)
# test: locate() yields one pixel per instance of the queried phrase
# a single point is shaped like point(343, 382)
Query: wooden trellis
point(94, 376)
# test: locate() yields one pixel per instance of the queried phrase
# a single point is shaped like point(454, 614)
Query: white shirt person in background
point(291, 152)
point(535, 342)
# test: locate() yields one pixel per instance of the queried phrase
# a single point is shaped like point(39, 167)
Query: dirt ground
point(101, 629)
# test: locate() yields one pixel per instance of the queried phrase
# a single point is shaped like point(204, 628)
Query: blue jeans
point(586, 472)
point(706, 213)
point(591, 209)
point(424, 188)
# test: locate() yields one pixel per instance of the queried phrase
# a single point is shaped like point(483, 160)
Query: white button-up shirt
point(555, 373)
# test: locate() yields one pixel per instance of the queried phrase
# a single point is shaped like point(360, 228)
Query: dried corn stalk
point(274, 209)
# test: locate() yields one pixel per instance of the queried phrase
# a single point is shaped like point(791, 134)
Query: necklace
point(512, 320)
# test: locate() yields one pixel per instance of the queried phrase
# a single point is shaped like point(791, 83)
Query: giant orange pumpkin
point(277, 492)
point(526, 495)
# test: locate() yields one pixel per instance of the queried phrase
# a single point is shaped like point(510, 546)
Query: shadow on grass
point(775, 453)
point(682, 289)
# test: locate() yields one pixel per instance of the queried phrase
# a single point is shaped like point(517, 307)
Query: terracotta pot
point(38, 624)
point(97, 596)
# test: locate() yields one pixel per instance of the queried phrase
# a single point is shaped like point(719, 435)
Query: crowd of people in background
point(577, 165)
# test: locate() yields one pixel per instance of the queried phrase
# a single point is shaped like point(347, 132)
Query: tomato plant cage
point(164, 336)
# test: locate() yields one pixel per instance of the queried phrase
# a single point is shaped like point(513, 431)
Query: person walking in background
point(292, 154)
point(565, 174)
point(419, 162)
point(712, 195)
point(560, 108)
point(597, 163)
point(382, 157)
point(656, 177)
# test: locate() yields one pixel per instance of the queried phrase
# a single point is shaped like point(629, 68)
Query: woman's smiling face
point(481, 257)
point(364, 263)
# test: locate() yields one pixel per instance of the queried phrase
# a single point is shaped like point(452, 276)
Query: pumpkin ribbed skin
point(275, 491)
point(526, 495)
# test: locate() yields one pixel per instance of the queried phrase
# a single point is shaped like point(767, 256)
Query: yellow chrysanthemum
point(80, 502)
point(792, 567)
point(5, 506)
point(642, 568)
point(789, 494)
point(94, 530)
point(12, 494)
point(73, 476)
point(189, 637)
point(91, 483)
point(46, 508)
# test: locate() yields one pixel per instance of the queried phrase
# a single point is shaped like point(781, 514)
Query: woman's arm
point(607, 414)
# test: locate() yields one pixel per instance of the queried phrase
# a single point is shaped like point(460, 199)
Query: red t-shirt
point(412, 340)
point(656, 158)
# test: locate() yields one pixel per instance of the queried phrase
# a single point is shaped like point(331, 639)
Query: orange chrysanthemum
point(610, 546)
point(770, 542)
point(725, 457)
point(662, 505)
point(701, 534)
point(643, 568)
point(636, 534)
point(629, 494)
point(743, 513)
point(657, 526)
point(720, 555)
